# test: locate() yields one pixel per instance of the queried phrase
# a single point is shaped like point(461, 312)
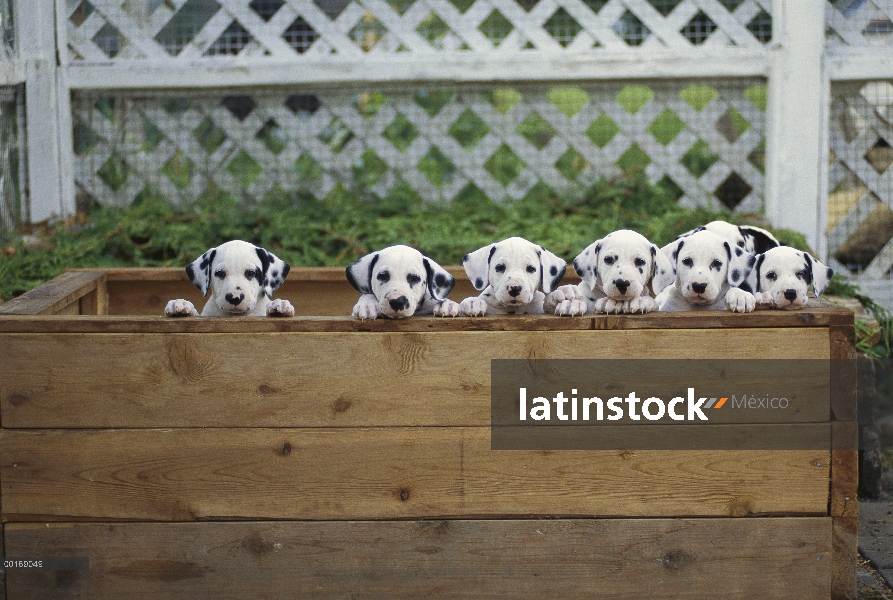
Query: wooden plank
point(54, 295)
point(394, 69)
point(382, 473)
point(157, 324)
point(96, 302)
point(316, 379)
point(610, 559)
point(845, 558)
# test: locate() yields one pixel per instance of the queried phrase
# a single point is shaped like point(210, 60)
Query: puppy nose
point(791, 295)
point(399, 303)
point(699, 288)
point(621, 285)
point(234, 300)
point(514, 290)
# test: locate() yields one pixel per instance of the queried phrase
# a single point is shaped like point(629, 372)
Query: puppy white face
point(237, 274)
point(401, 279)
point(785, 274)
point(514, 268)
point(623, 264)
point(706, 266)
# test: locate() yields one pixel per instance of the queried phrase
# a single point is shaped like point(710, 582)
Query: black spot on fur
point(492, 252)
point(736, 274)
point(750, 261)
point(553, 270)
point(808, 268)
point(478, 283)
point(745, 286)
point(676, 250)
point(830, 272)
point(465, 258)
point(738, 251)
point(728, 250)
point(761, 241)
point(275, 272)
point(759, 263)
point(440, 280)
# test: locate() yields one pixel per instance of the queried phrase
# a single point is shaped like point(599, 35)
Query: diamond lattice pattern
point(702, 142)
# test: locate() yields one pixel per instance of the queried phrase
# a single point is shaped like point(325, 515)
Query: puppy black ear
point(819, 273)
point(199, 270)
point(662, 274)
point(761, 239)
point(440, 282)
point(755, 278)
point(477, 266)
point(552, 269)
point(359, 273)
point(274, 270)
point(740, 264)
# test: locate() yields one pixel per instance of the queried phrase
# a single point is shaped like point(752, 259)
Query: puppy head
point(785, 274)
point(515, 268)
point(706, 266)
point(401, 279)
point(237, 273)
point(623, 264)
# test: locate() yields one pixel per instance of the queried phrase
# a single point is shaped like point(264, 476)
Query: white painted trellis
point(332, 91)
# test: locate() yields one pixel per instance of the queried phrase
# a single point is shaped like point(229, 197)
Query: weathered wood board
point(613, 559)
point(380, 473)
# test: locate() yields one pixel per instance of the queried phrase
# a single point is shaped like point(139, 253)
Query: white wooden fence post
point(797, 117)
point(43, 101)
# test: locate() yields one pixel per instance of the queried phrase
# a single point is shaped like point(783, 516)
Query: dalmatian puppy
point(708, 273)
point(755, 240)
point(508, 275)
point(781, 277)
point(617, 272)
point(241, 278)
point(398, 282)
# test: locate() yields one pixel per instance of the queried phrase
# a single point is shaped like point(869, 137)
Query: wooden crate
point(325, 457)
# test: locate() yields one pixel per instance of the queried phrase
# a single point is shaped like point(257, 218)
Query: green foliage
point(336, 230)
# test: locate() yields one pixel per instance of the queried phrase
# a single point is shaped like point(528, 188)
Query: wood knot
point(286, 449)
point(676, 559)
point(19, 398)
point(257, 546)
point(341, 405)
point(404, 494)
point(267, 390)
point(740, 507)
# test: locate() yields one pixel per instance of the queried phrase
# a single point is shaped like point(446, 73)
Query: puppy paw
point(737, 300)
point(366, 309)
point(565, 292)
point(473, 307)
point(280, 308)
point(642, 304)
point(611, 306)
point(571, 308)
point(447, 308)
point(764, 299)
point(180, 308)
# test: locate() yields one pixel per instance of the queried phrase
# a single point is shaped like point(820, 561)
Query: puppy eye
point(500, 268)
point(220, 274)
point(741, 244)
point(716, 264)
point(771, 276)
point(250, 274)
point(609, 260)
point(384, 277)
point(801, 274)
point(531, 269)
point(688, 262)
point(413, 279)
point(640, 262)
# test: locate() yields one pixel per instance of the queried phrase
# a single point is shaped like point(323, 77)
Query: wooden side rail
point(71, 293)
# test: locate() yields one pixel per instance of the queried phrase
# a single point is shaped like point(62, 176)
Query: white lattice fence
point(103, 30)
point(860, 206)
point(704, 142)
point(859, 22)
